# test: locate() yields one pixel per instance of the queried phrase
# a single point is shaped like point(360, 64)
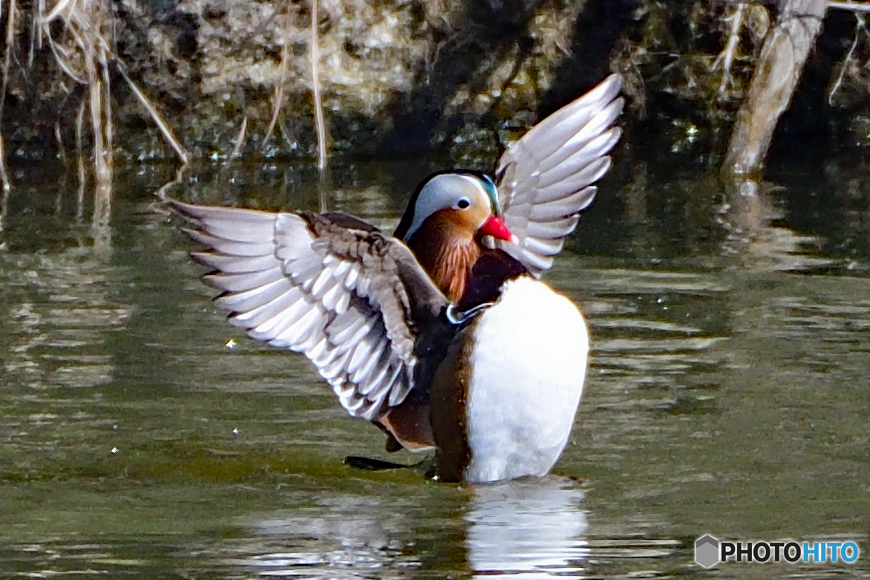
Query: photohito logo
point(709, 551)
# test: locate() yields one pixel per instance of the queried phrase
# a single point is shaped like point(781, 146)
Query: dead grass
point(283, 72)
point(83, 50)
point(79, 35)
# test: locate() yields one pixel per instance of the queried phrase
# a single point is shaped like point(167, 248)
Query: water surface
point(144, 437)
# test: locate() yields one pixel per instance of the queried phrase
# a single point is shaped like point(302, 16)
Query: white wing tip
point(606, 89)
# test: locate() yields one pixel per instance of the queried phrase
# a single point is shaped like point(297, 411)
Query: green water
point(143, 437)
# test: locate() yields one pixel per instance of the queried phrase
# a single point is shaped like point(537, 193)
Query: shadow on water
point(142, 436)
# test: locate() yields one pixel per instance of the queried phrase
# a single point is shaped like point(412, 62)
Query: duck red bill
point(495, 227)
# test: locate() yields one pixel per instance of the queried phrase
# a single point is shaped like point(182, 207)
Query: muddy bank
point(397, 77)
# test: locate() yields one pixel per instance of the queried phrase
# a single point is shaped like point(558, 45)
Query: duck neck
point(447, 255)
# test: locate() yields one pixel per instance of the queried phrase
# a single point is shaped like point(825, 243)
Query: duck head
point(444, 225)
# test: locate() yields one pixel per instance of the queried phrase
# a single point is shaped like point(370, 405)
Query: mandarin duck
point(442, 334)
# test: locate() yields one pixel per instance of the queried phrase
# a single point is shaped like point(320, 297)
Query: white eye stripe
point(441, 192)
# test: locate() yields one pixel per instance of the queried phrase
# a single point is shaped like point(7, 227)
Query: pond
point(144, 437)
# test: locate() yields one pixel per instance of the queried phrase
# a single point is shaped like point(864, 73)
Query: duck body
point(443, 334)
point(504, 399)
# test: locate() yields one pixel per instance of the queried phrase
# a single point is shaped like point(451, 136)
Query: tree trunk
point(776, 75)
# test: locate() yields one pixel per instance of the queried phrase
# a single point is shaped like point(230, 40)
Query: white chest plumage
point(528, 366)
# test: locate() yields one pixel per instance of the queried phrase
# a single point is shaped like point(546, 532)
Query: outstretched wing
point(347, 297)
point(545, 179)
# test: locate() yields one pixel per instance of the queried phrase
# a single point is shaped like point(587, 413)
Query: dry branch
point(862, 7)
point(726, 57)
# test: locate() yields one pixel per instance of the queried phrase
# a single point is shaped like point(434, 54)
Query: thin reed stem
point(283, 72)
point(319, 121)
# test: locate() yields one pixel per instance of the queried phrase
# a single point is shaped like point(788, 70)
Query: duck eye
point(463, 203)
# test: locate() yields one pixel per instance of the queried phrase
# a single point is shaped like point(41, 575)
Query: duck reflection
point(338, 536)
point(520, 529)
point(527, 529)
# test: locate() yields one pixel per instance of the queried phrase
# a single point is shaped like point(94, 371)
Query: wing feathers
point(584, 107)
point(552, 229)
point(561, 208)
point(547, 247)
point(230, 247)
point(537, 262)
point(285, 305)
point(599, 124)
point(360, 376)
point(546, 178)
point(243, 282)
point(233, 264)
point(377, 372)
point(334, 290)
point(246, 301)
point(587, 166)
point(332, 298)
